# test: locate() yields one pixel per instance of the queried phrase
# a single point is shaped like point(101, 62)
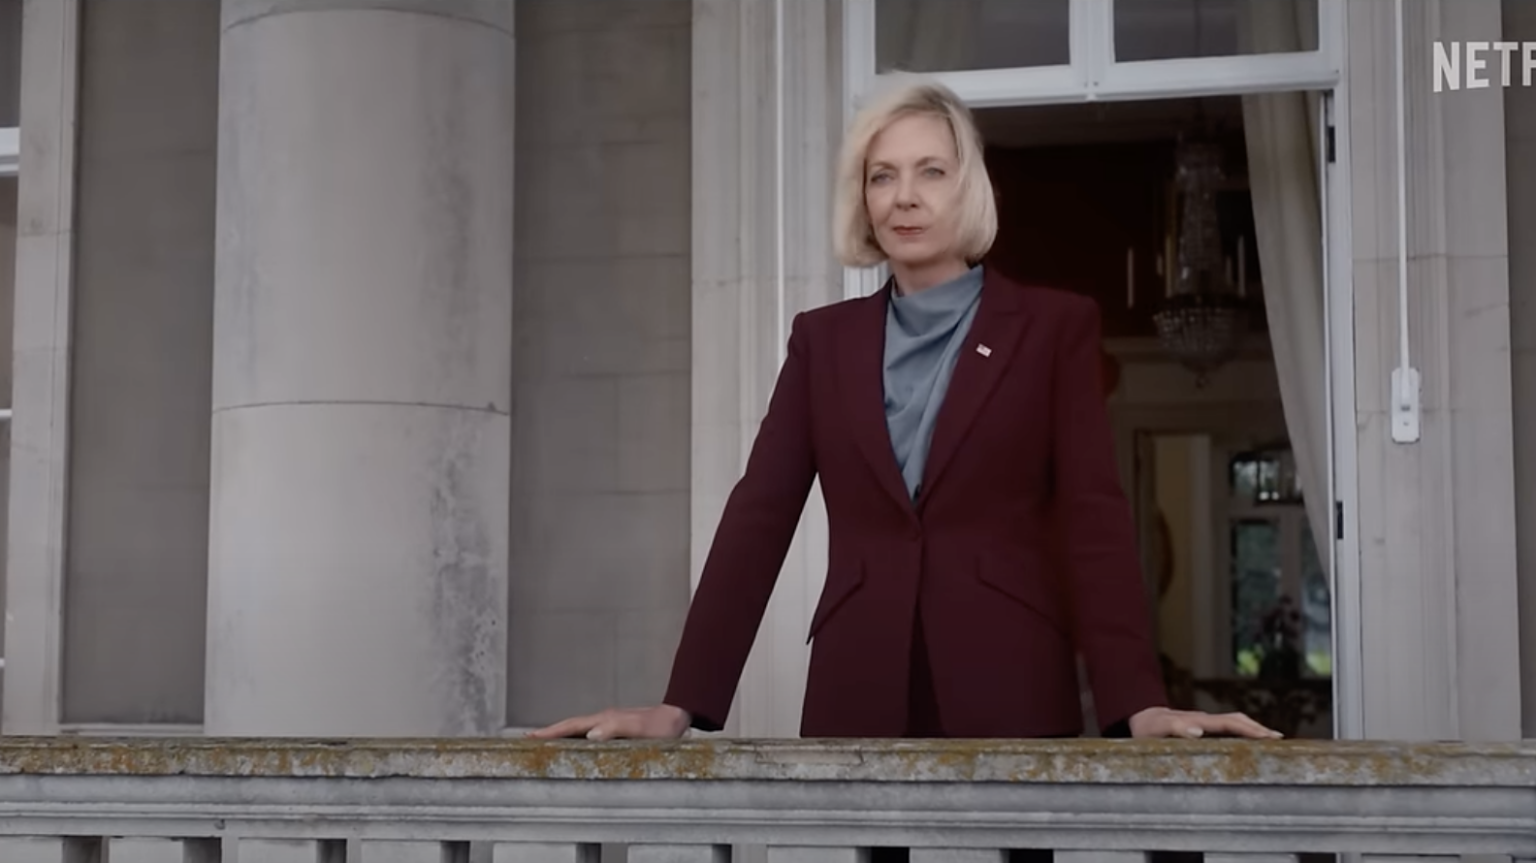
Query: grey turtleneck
point(923, 335)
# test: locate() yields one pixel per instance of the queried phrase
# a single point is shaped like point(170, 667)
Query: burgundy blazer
point(1020, 550)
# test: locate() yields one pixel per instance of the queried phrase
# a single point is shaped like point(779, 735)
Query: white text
point(1476, 65)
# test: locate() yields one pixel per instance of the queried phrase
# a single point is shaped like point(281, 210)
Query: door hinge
point(1338, 519)
point(1329, 144)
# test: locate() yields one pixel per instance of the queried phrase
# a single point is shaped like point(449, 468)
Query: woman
point(979, 537)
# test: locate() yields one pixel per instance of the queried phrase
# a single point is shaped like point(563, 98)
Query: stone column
point(40, 370)
point(362, 363)
point(1438, 605)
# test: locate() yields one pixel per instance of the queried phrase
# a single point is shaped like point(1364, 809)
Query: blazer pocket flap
point(1027, 583)
point(841, 584)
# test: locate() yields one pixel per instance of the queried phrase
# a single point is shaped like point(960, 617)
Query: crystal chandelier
point(1203, 320)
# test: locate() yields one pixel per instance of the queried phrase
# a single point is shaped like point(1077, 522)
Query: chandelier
point(1203, 319)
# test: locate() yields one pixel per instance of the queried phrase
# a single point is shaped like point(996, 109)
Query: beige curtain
point(1282, 134)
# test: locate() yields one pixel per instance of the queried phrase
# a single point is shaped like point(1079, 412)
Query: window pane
point(956, 35)
point(10, 62)
point(1255, 590)
point(1244, 480)
point(1168, 29)
point(1316, 608)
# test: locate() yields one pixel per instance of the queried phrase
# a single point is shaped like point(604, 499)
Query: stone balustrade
point(77, 800)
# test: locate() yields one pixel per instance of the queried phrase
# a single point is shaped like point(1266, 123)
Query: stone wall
point(601, 311)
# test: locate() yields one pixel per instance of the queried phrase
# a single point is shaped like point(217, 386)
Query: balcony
point(78, 800)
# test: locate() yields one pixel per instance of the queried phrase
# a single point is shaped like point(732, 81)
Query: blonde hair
point(853, 238)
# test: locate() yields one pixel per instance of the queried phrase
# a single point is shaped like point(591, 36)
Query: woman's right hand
point(660, 722)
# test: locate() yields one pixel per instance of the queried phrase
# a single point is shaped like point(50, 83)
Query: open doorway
point(1243, 606)
point(1196, 227)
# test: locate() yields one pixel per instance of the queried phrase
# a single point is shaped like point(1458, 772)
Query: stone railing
point(74, 800)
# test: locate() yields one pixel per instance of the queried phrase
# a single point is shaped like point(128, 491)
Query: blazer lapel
point(861, 380)
point(988, 349)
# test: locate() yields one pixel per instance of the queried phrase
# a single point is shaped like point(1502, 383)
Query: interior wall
point(1156, 395)
point(1103, 232)
point(1520, 176)
point(601, 335)
point(1175, 610)
point(136, 576)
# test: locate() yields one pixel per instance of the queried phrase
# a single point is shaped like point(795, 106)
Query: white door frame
point(1343, 442)
point(1093, 75)
point(34, 567)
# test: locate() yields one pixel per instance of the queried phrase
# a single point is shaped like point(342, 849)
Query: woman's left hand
point(1165, 722)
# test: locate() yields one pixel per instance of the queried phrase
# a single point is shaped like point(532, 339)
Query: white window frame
point(1093, 75)
point(10, 151)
